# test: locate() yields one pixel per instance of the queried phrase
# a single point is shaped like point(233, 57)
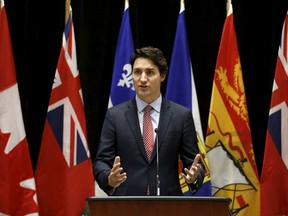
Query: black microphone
point(157, 169)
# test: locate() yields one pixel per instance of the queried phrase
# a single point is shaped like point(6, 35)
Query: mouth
point(143, 87)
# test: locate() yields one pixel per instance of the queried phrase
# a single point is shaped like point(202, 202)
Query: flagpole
point(228, 4)
point(67, 10)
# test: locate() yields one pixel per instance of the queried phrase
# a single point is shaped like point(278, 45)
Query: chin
point(143, 96)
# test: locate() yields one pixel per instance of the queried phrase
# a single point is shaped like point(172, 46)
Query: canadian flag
point(17, 184)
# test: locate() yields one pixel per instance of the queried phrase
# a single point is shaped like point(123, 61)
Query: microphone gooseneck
point(157, 169)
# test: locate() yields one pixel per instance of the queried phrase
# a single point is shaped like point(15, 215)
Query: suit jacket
point(121, 135)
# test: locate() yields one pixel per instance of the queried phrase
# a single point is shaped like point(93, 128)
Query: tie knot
point(148, 108)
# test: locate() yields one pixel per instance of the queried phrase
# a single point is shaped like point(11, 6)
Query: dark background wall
point(36, 30)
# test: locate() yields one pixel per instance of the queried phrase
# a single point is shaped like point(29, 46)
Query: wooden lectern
point(158, 206)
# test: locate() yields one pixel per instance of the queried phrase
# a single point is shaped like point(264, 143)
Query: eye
point(150, 72)
point(136, 72)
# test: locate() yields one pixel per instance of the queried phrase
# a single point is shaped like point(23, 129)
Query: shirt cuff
point(194, 186)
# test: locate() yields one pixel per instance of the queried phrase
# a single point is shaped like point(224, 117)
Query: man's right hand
point(116, 177)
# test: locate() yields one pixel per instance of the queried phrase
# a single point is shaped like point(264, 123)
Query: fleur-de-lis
point(126, 77)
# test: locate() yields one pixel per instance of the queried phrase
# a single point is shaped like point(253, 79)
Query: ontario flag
point(122, 84)
point(181, 89)
point(228, 140)
point(17, 183)
point(64, 173)
point(274, 176)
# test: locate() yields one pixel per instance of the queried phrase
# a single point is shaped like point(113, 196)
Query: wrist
point(193, 187)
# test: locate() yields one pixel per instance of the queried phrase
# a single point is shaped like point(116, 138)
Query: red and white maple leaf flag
point(64, 175)
point(17, 184)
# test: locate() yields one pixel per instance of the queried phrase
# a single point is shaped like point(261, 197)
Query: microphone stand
point(157, 169)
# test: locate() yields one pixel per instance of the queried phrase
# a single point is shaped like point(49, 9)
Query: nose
point(143, 77)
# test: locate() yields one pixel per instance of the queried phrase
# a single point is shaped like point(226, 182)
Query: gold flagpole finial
point(67, 10)
point(228, 5)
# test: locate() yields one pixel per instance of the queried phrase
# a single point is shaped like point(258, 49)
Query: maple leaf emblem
point(17, 185)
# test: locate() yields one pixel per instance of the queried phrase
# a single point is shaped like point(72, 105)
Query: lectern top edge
point(163, 205)
point(192, 198)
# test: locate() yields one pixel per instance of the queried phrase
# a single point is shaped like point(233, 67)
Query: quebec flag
point(122, 85)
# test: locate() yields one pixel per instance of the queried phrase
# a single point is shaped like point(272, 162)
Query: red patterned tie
point(148, 134)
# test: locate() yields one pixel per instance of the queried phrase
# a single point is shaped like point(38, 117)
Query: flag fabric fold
point(181, 89)
point(228, 141)
point(274, 176)
point(122, 84)
point(64, 174)
point(17, 183)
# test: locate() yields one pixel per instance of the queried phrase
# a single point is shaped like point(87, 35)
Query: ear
point(162, 76)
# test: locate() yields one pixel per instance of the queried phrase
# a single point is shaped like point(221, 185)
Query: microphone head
point(156, 130)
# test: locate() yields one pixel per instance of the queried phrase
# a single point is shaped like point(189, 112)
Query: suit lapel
point(132, 119)
point(164, 121)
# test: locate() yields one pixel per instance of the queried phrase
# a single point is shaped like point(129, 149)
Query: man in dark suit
point(122, 166)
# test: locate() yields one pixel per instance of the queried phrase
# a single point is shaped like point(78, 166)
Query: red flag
point(228, 142)
point(274, 177)
point(64, 175)
point(17, 184)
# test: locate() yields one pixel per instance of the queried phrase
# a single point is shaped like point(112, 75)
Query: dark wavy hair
point(153, 54)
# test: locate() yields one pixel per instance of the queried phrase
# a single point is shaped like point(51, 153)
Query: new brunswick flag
point(228, 141)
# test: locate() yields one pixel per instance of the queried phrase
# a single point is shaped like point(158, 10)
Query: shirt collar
point(156, 104)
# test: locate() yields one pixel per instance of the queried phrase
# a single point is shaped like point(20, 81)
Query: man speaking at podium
point(142, 139)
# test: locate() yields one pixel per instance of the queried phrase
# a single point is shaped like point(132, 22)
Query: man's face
point(147, 79)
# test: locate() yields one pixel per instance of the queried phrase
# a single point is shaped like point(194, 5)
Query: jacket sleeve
point(190, 150)
point(105, 154)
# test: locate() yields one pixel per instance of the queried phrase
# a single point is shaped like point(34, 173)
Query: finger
point(117, 172)
point(196, 160)
point(116, 178)
point(116, 160)
point(184, 176)
point(116, 164)
point(189, 173)
point(187, 180)
point(122, 177)
point(120, 181)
